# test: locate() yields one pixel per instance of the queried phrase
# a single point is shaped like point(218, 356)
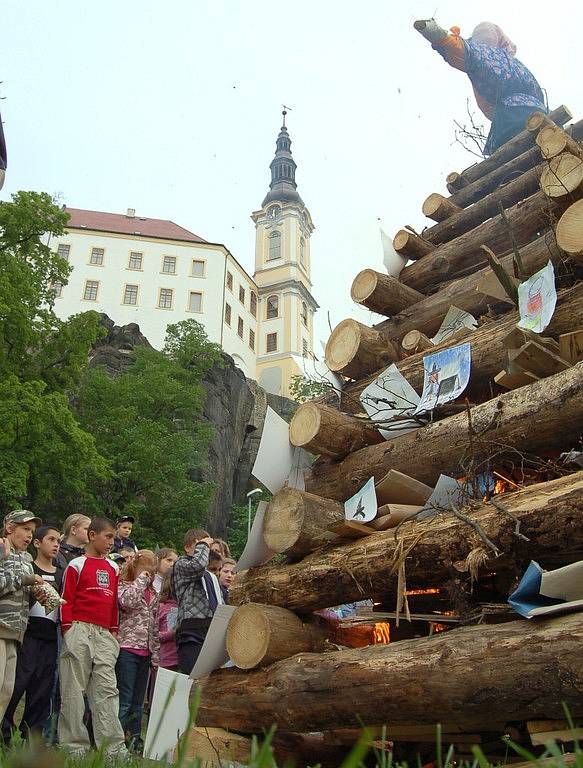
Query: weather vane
point(285, 111)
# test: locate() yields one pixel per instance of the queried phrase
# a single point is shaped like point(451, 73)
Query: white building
point(154, 272)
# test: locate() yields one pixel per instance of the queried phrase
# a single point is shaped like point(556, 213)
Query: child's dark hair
point(42, 531)
point(100, 524)
point(195, 534)
point(214, 557)
point(166, 587)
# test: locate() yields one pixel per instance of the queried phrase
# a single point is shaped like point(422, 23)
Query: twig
point(499, 506)
point(477, 527)
point(502, 275)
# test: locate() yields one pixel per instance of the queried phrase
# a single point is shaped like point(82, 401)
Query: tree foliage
point(302, 389)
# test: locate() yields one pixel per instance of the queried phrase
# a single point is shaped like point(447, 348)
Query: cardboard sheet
point(169, 714)
point(213, 654)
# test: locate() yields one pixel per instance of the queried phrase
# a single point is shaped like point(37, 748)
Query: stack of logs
point(523, 406)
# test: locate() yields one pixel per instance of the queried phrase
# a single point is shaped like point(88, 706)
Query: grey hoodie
point(16, 577)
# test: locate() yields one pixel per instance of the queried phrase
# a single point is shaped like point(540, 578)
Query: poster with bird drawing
point(362, 507)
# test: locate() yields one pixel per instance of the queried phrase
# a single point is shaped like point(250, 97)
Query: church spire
point(283, 187)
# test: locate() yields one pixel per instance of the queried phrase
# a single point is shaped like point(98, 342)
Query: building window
point(271, 345)
point(302, 251)
point(304, 314)
point(272, 307)
point(197, 268)
point(64, 251)
point(305, 348)
point(274, 246)
point(253, 303)
point(240, 327)
point(169, 265)
point(130, 295)
point(57, 289)
point(252, 339)
point(96, 257)
point(165, 298)
point(241, 294)
point(195, 302)
point(228, 314)
point(229, 281)
point(91, 289)
point(135, 260)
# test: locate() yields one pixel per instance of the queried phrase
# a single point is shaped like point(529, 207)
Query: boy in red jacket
point(89, 621)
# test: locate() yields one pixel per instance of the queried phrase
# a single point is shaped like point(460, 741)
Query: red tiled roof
point(129, 225)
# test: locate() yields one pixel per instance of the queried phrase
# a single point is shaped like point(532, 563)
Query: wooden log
point(296, 522)
point(571, 346)
point(543, 731)
point(328, 432)
point(438, 207)
point(390, 515)
point(259, 634)
point(553, 140)
point(354, 349)
point(463, 252)
point(398, 488)
point(489, 343)
point(548, 418)
point(349, 529)
point(427, 315)
point(569, 230)
point(416, 341)
point(382, 293)
point(537, 120)
point(519, 670)
point(411, 245)
point(550, 515)
point(454, 181)
point(516, 146)
point(469, 218)
point(562, 176)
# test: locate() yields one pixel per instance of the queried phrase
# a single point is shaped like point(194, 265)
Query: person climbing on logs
point(506, 91)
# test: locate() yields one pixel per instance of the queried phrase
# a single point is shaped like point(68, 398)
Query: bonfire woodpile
point(457, 654)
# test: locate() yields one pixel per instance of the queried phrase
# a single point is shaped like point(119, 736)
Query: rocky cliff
point(234, 405)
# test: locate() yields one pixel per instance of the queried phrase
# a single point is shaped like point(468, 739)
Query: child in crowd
point(215, 562)
point(16, 579)
point(167, 615)
point(128, 554)
point(138, 639)
point(221, 547)
point(37, 658)
point(74, 539)
point(226, 577)
point(166, 559)
point(198, 594)
point(89, 621)
point(123, 531)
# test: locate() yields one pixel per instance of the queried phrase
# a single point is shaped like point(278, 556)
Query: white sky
point(173, 109)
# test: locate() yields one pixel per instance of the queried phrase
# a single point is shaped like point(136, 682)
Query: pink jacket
point(167, 616)
point(138, 624)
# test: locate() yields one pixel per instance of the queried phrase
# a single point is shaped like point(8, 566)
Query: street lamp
point(252, 493)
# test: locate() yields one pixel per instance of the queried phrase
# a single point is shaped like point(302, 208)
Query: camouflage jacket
point(16, 577)
point(138, 618)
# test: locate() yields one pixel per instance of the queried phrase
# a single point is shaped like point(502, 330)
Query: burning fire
point(428, 591)
point(382, 633)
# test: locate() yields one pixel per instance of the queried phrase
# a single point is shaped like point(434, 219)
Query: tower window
point(302, 251)
point(274, 246)
point(271, 342)
point(253, 303)
point(305, 348)
point(304, 314)
point(272, 307)
point(240, 327)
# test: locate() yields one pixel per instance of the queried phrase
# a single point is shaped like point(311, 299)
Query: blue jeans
point(132, 673)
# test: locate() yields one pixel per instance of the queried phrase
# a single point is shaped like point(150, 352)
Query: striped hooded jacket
point(16, 577)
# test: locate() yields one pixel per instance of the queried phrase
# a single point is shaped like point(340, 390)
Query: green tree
point(46, 459)
point(303, 389)
point(147, 424)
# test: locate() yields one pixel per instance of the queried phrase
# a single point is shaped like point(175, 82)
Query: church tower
point(283, 228)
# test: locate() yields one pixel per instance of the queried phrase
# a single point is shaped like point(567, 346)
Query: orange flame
point(429, 591)
point(382, 633)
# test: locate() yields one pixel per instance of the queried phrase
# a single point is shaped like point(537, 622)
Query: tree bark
point(508, 151)
point(295, 521)
point(562, 176)
point(427, 315)
point(550, 514)
point(544, 417)
point(519, 670)
point(326, 431)
point(569, 231)
point(382, 293)
point(488, 348)
point(354, 349)
point(463, 252)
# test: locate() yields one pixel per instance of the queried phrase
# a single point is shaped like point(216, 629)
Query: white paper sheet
point(454, 320)
point(446, 375)
point(256, 552)
point(213, 654)
point(301, 463)
point(447, 493)
point(169, 714)
point(275, 457)
point(563, 583)
point(390, 395)
point(392, 260)
point(362, 507)
point(537, 298)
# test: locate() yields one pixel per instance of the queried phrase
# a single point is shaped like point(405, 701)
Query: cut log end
point(411, 245)
point(416, 341)
point(382, 293)
point(569, 231)
point(304, 425)
point(535, 121)
point(439, 208)
point(355, 349)
point(364, 285)
point(562, 176)
point(454, 182)
point(248, 636)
